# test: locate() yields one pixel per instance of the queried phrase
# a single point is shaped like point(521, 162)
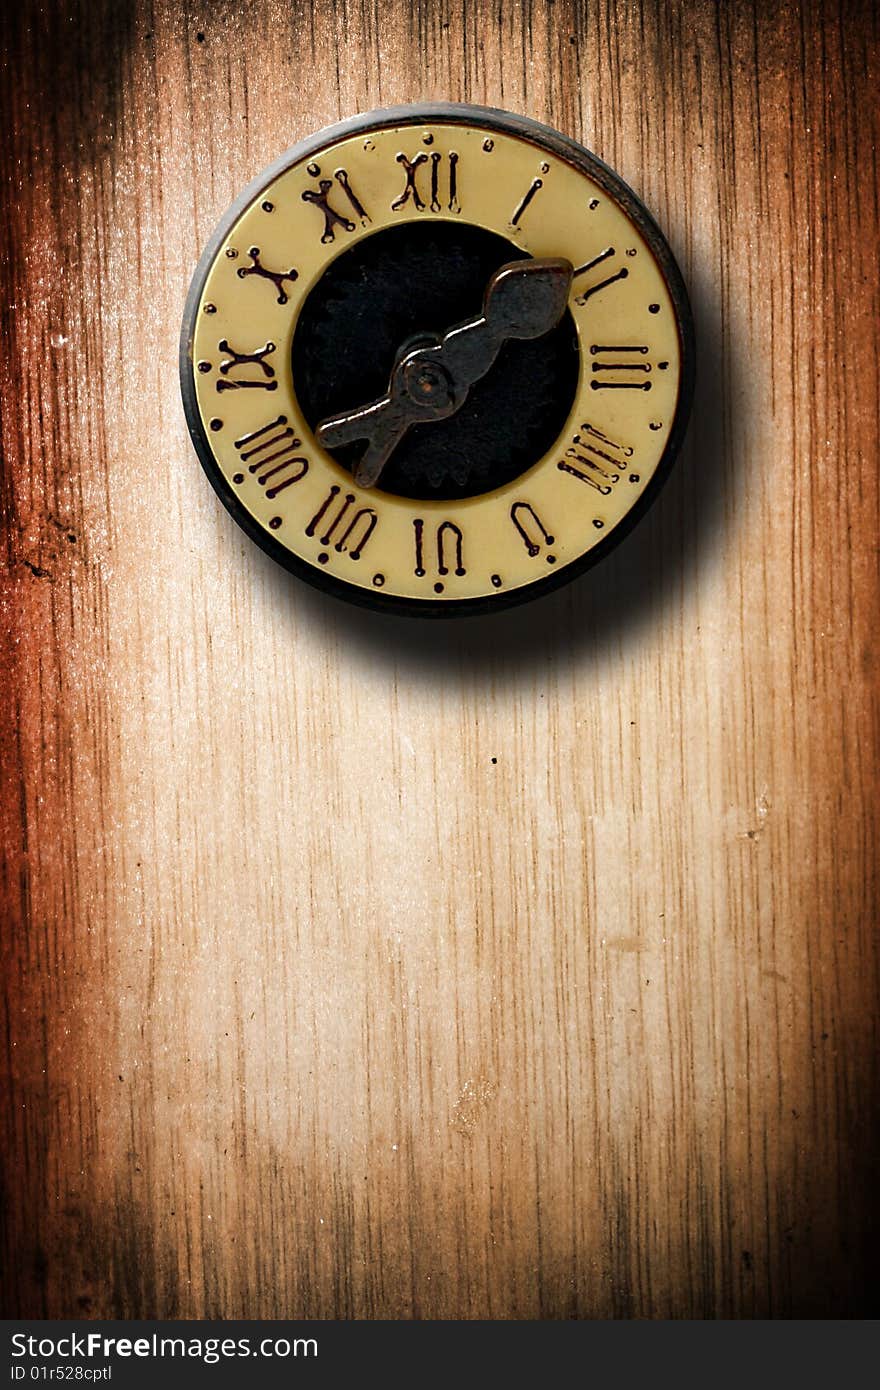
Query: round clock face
point(437, 359)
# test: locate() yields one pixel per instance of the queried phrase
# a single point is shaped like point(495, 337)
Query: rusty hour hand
point(524, 299)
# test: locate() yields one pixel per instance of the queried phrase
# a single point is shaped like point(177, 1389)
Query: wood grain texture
point(523, 967)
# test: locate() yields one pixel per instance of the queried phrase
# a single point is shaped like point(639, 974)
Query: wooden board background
point(518, 968)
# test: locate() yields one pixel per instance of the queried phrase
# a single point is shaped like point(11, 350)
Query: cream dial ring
point(400, 214)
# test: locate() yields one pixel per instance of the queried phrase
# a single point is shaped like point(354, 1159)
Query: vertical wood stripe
point(518, 968)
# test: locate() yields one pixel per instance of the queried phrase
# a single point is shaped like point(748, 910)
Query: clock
point(437, 360)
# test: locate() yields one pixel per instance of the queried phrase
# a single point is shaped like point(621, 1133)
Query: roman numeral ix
point(270, 454)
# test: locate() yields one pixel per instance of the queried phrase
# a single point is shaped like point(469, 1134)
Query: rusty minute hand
point(524, 299)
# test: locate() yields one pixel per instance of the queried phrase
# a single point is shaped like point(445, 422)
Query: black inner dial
point(382, 294)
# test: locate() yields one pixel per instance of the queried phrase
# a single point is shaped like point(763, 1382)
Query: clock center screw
point(428, 383)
